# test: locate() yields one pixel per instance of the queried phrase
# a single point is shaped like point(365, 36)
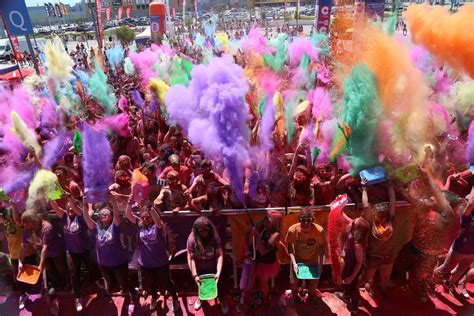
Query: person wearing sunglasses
point(306, 243)
point(153, 254)
point(111, 255)
point(381, 250)
point(202, 181)
point(78, 244)
point(205, 256)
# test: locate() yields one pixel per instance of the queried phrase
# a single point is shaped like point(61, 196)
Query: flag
point(63, 9)
point(98, 8)
point(51, 9)
point(119, 13)
point(174, 13)
point(58, 10)
point(184, 10)
point(46, 7)
point(127, 12)
point(195, 10)
point(107, 14)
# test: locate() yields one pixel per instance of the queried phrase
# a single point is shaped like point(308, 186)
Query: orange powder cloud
point(448, 36)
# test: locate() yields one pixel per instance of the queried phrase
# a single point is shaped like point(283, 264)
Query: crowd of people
point(210, 121)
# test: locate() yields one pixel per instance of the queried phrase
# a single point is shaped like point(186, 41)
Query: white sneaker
point(131, 308)
point(22, 301)
point(154, 303)
point(462, 290)
point(175, 307)
point(78, 305)
point(197, 304)
point(224, 307)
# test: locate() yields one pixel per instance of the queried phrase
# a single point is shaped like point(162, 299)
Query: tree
point(125, 35)
point(250, 5)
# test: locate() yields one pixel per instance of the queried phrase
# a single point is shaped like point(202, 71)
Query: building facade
point(138, 8)
point(39, 17)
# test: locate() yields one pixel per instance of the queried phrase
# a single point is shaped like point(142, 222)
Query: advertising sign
point(324, 16)
point(16, 17)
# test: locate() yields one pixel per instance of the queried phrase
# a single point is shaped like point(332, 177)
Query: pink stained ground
point(399, 303)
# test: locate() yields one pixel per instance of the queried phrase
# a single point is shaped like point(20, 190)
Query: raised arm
point(16, 215)
point(392, 201)
point(440, 199)
point(470, 204)
point(156, 218)
point(115, 210)
point(74, 206)
point(59, 211)
point(128, 212)
point(86, 211)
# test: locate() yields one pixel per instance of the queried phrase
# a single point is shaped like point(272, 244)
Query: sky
point(33, 3)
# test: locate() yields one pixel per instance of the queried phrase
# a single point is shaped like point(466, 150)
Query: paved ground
point(398, 303)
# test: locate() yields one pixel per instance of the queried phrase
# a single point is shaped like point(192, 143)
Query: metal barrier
point(234, 212)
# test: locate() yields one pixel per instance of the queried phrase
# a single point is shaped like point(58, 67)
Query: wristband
point(194, 278)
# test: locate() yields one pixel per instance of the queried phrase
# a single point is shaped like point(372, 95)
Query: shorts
point(375, 261)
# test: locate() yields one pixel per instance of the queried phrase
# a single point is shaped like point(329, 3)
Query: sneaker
point(448, 286)
point(175, 307)
point(346, 299)
point(197, 304)
point(224, 307)
point(99, 284)
point(131, 308)
point(54, 307)
point(153, 305)
point(78, 305)
point(22, 301)
point(462, 290)
point(423, 299)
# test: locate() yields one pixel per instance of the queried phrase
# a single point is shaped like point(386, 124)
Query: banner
point(184, 11)
point(16, 48)
point(375, 9)
point(46, 7)
point(324, 16)
point(199, 8)
point(16, 17)
point(127, 12)
point(98, 9)
point(51, 9)
point(196, 10)
point(359, 18)
point(119, 13)
point(63, 9)
point(107, 14)
point(58, 10)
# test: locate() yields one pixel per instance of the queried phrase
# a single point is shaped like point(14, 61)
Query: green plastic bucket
point(308, 271)
point(207, 287)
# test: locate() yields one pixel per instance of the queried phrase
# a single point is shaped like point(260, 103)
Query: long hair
point(202, 243)
point(31, 217)
point(275, 219)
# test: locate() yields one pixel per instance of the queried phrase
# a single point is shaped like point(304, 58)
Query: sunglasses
point(306, 219)
point(200, 230)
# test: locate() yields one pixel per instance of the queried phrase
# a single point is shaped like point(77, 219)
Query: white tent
point(146, 34)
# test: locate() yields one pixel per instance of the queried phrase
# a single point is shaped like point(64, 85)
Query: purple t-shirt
point(151, 247)
point(207, 258)
point(464, 244)
point(76, 234)
point(110, 252)
point(48, 236)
